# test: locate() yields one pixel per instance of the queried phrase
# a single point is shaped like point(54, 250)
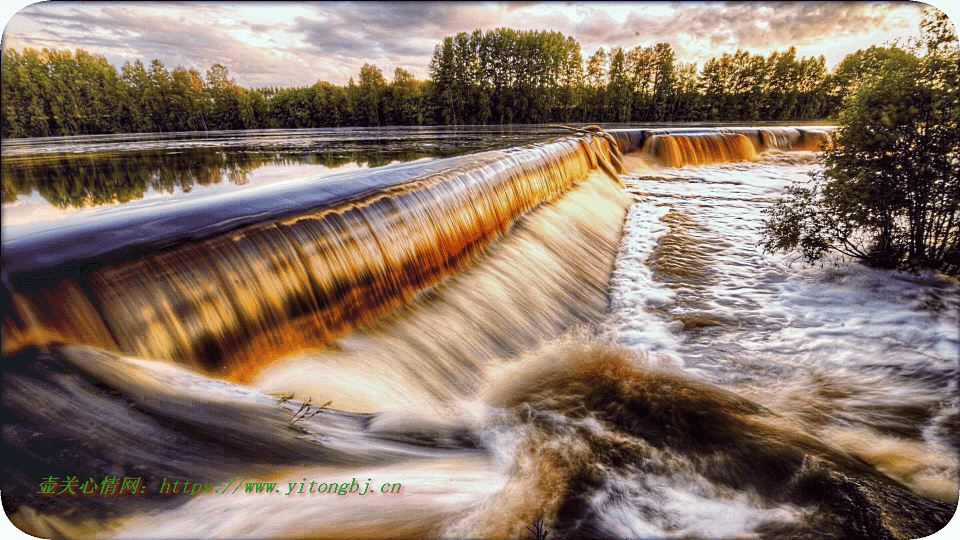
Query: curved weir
point(286, 267)
point(205, 285)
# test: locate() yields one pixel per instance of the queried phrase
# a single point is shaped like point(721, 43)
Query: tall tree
point(225, 110)
point(370, 96)
point(135, 106)
point(619, 95)
point(596, 86)
point(443, 71)
point(890, 192)
point(664, 83)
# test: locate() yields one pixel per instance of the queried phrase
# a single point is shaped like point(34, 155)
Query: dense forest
point(502, 76)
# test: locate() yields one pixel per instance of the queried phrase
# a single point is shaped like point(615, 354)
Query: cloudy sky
point(278, 44)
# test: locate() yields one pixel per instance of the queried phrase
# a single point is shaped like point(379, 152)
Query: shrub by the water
point(889, 194)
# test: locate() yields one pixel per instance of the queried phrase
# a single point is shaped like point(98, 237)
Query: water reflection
point(47, 178)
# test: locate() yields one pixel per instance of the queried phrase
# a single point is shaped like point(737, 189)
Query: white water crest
point(866, 357)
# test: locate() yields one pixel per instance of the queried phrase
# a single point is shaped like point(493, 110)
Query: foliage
point(889, 194)
point(502, 76)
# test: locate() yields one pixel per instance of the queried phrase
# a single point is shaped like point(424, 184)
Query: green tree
point(596, 79)
point(713, 83)
point(782, 99)
point(500, 76)
point(65, 80)
point(371, 91)
point(225, 109)
point(100, 91)
point(571, 93)
point(855, 67)
point(137, 102)
point(619, 96)
point(889, 194)
point(688, 103)
point(664, 83)
point(27, 91)
point(404, 100)
point(160, 106)
point(187, 104)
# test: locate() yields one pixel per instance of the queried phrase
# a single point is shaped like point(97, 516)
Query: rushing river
point(469, 331)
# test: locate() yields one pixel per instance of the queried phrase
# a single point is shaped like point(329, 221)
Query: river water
point(486, 340)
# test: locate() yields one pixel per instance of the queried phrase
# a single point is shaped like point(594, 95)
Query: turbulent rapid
point(580, 332)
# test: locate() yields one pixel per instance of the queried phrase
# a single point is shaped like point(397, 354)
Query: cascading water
point(278, 285)
point(476, 329)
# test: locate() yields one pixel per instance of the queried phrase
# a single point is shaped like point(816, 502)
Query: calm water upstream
point(480, 328)
point(48, 178)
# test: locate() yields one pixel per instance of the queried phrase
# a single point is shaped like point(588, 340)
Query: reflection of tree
point(97, 179)
point(118, 178)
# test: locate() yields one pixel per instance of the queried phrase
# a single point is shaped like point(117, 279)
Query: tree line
point(500, 76)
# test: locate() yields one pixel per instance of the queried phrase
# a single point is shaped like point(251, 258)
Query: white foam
point(652, 506)
point(780, 317)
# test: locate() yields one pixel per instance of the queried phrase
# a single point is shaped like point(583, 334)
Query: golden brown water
point(680, 150)
point(232, 304)
point(728, 145)
point(550, 274)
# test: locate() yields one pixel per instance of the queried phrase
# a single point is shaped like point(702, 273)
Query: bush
point(889, 194)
